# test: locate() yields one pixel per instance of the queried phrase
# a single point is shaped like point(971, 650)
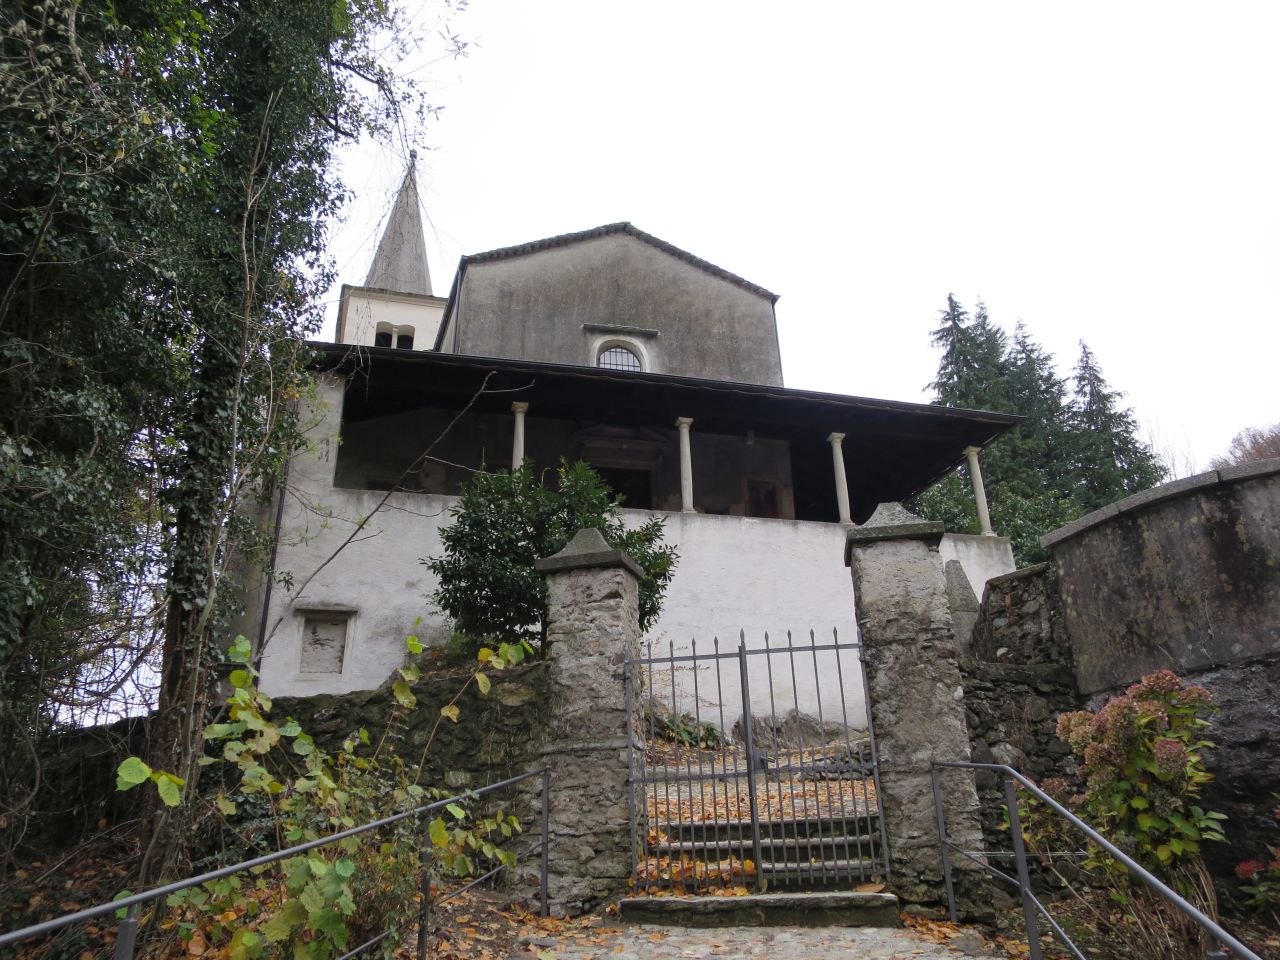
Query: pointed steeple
point(400, 263)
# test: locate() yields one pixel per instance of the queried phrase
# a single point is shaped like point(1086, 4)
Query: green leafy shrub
point(1142, 759)
point(1260, 880)
point(504, 522)
point(685, 729)
point(320, 904)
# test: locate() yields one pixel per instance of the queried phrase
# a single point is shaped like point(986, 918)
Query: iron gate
point(785, 796)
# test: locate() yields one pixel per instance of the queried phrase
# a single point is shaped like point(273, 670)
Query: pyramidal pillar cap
point(588, 549)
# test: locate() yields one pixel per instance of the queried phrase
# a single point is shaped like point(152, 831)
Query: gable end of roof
point(609, 229)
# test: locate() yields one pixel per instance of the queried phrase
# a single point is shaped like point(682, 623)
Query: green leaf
point(245, 945)
point(131, 772)
point(404, 696)
point(438, 833)
point(170, 788)
point(330, 923)
point(1139, 803)
point(450, 711)
point(413, 644)
point(225, 805)
point(410, 673)
point(239, 678)
point(291, 914)
point(240, 651)
point(483, 683)
point(291, 728)
point(344, 868)
point(123, 911)
point(457, 811)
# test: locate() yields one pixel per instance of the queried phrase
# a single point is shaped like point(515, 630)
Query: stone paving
point(637, 942)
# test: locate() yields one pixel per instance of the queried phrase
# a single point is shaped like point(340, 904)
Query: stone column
point(593, 625)
point(917, 703)
point(842, 484)
point(519, 408)
point(686, 465)
point(979, 491)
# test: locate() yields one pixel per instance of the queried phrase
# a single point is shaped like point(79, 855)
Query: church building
point(611, 346)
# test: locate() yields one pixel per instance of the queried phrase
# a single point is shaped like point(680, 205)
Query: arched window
point(618, 358)
point(404, 341)
point(382, 338)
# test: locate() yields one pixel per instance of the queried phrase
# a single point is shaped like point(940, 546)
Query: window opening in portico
point(404, 341)
point(382, 338)
point(618, 358)
point(635, 486)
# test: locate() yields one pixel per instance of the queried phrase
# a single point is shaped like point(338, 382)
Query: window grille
point(619, 358)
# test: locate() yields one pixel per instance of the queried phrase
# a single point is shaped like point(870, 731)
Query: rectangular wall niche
point(324, 642)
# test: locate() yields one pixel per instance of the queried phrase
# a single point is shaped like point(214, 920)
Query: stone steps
point(839, 909)
point(773, 846)
point(738, 830)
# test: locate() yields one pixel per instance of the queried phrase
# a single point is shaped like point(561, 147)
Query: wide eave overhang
point(892, 450)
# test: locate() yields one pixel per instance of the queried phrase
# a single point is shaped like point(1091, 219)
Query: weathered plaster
point(982, 558)
point(534, 307)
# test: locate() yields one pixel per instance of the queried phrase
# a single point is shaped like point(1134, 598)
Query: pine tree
point(1076, 450)
point(1110, 461)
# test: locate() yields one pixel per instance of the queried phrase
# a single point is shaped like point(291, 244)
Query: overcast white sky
point(1105, 171)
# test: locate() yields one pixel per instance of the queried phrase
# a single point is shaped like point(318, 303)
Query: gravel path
point(774, 943)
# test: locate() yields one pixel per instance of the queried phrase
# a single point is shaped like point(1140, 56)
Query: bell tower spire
point(400, 263)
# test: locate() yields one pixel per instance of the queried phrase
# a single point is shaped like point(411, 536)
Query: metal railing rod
point(755, 652)
point(366, 945)
point(885, 852)
point(146, 896)
point(1143, 874)
point(751, 766)
point(1013, 881)
point(775, 746)
point(1057, 928)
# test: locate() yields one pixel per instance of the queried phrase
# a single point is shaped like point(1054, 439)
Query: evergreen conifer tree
point(1110, 460)
point(1076, 450)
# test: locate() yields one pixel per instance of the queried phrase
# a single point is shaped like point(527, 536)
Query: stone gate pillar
point(593, 625)
point(917, 703)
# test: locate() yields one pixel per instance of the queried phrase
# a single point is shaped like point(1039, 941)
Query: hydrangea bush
point(1142, 759)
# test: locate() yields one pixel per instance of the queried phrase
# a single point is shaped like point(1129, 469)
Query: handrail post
point(545, 892)
point(1024, 875)
point(751, 764)
point(127, 936)
point(935, 775)
point(424, 909)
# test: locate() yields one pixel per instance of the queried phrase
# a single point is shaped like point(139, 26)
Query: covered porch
point(424, 422)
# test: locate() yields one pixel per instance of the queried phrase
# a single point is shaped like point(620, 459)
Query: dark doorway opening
point(636, 486)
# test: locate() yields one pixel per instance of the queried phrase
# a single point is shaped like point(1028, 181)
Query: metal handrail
point(127, 936)
point(1031, 905)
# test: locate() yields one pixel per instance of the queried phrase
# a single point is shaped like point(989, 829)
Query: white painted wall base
point(981, 557)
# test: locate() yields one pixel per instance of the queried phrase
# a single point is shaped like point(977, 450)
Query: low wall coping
point(588, 549)
point(1166, 491)
point(927, 530)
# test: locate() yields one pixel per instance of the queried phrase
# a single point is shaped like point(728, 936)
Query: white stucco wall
point(363, 309)
point(757, 576)
point(735, 573)
point(981, 557)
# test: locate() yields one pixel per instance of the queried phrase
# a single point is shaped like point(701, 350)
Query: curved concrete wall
point(1185, 576)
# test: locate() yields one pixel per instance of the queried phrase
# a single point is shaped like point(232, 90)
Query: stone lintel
point(927, 530)
point(588, 550)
